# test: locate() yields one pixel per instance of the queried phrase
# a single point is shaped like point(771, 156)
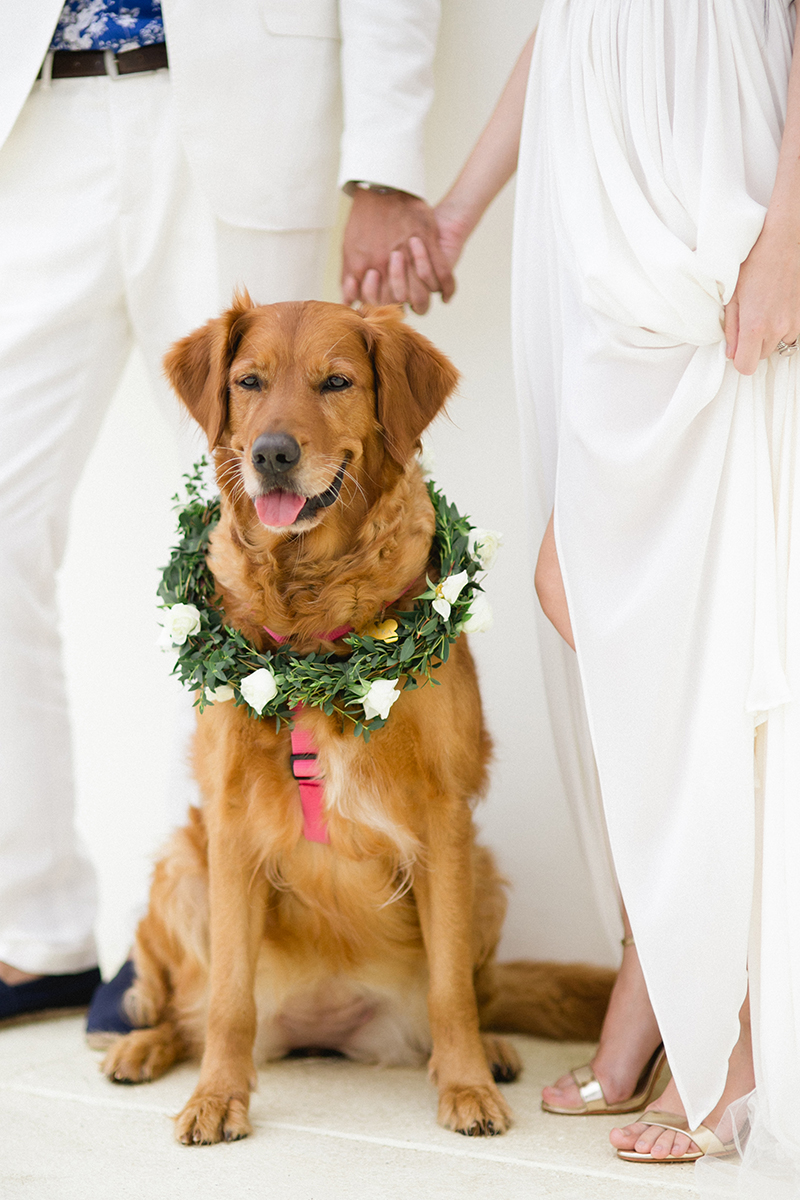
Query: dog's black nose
point(275, 453)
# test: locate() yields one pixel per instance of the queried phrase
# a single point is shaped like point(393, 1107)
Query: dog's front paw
point(213, 1117)
point(474, 1111)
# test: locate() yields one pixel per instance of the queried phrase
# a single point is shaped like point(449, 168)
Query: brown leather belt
point(73, 64)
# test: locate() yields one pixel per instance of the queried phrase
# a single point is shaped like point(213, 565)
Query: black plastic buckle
point(305, 757)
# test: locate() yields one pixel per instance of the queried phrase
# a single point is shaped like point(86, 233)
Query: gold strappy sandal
point(591, 1093)
point(595, 1103)
point(706, 1141)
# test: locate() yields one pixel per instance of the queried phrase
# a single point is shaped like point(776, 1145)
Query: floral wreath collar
point(221, 665)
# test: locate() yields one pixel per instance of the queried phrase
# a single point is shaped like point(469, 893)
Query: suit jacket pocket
point(301, 18)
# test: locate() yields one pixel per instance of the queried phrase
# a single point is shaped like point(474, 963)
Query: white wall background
point(126, 706)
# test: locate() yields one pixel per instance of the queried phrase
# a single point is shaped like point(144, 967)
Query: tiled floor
point(324, 1129)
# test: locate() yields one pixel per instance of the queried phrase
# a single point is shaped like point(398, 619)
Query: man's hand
point(378, 266)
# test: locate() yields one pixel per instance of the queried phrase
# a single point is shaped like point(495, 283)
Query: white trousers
point(105, 241)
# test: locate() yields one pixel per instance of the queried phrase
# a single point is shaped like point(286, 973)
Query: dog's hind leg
point(171, 940)
point(489, 911)
point(504, 1062)
point(144, 1054)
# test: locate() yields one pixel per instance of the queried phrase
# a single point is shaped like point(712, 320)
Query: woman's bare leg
point(630, 1033)
point(550, 586)
point(628, 1038)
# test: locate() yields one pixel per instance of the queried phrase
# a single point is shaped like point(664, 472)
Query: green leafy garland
point(219, 663)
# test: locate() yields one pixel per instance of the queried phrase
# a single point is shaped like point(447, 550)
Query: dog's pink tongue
point(279, 508)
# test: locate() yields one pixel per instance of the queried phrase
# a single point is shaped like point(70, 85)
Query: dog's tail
point(564, 1001)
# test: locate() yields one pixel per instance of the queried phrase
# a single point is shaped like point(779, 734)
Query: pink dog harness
point(305, 752)
point(312, 787)
point(305, 764)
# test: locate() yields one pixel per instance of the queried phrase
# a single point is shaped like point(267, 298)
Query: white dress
point(649, 149)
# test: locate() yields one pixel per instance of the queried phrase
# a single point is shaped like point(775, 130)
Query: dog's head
point(306, 396)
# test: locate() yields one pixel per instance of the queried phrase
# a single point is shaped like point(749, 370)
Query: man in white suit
point(134, 196)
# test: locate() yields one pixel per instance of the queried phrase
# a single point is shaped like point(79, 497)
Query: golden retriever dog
point(379, 943)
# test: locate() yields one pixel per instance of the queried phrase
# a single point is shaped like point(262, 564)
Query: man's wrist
point(378, 189)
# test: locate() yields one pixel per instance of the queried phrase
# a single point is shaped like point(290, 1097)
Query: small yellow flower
point(385, 631)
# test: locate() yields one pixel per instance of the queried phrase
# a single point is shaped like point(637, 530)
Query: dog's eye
point(250, 381)
point(336, 383)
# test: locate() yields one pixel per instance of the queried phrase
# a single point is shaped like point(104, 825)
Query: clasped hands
point(398, 250)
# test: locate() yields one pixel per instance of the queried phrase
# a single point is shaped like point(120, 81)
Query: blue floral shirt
point(108, 25)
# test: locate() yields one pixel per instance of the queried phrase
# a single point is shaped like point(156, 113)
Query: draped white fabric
point(650, 144)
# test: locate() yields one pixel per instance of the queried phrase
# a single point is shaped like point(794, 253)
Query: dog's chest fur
point(342, 933)
point(345, 895)
point(342, 939)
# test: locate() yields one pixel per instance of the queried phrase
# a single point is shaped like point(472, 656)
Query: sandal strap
point(702, 1137)
point(590, 1090)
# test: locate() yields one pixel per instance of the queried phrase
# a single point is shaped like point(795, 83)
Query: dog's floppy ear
point(412, 378)
point(197, 366)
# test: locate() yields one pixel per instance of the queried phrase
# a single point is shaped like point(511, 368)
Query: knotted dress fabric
point(650, 144)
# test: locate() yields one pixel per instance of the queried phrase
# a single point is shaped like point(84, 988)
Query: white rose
point(427, 460)
point(480, 615)
point(182, 620)
point(380, 698)
point(447, 592)
point(219, 695)
point(483, 546)
point(258, 688)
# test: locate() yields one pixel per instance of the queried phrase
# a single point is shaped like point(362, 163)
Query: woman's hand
point(453, 230)
point(765, 307)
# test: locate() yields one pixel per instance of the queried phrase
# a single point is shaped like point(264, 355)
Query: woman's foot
point(666, 1143)
point(630, 1036)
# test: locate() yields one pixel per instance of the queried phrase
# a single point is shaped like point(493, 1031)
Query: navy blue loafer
point(46, 997)
point(107, 1019)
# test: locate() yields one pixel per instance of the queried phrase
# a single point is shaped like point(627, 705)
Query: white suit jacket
point(272, 95)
